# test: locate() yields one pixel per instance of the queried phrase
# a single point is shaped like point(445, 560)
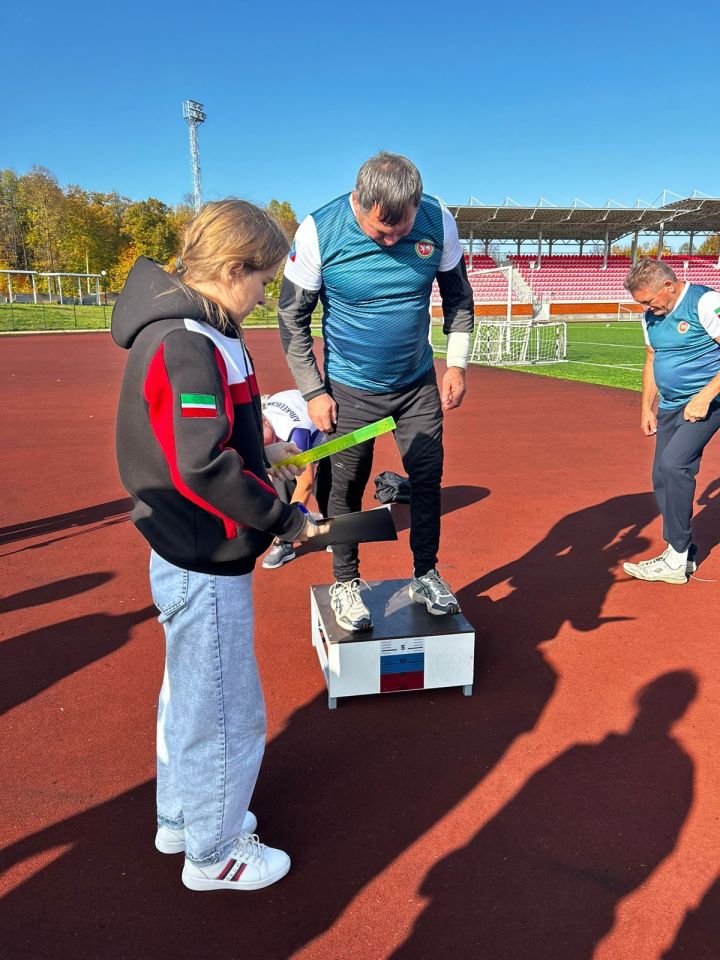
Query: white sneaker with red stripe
point(168, 840)
point(250, 865)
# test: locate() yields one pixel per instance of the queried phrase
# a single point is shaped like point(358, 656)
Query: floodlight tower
point(194, 114)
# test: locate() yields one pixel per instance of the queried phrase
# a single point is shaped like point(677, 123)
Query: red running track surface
point(568, 810)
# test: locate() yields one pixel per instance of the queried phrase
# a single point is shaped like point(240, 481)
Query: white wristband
point(458, 349)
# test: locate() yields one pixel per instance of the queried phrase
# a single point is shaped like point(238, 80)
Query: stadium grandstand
point(527, 261)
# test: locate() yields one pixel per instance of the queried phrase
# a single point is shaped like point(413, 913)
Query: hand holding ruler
point(339, 443)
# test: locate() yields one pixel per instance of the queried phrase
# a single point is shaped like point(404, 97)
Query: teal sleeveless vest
point(376, 300)
point(686, 356)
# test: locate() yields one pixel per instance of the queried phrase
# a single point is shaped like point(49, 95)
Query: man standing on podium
point(371, 256)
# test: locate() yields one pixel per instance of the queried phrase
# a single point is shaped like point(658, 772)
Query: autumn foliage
point(46, 227)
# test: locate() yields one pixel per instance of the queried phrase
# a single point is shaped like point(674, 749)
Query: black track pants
point(417, 412)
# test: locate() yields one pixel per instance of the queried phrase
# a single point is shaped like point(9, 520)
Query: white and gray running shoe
point(348, 607)
point(281, 552)
point(435, 593)
point(658, 569)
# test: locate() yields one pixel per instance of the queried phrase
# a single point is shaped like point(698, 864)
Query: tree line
point(49, 228)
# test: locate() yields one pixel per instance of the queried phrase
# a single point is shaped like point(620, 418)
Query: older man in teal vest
point(682, 366)
point(371, 256)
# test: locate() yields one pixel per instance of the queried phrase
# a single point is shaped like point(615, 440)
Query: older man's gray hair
point(648, 274)
point(390, 182)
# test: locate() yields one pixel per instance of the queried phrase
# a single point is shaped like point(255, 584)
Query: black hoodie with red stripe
point(189, 432)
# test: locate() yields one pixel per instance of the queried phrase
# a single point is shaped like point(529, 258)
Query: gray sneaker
point(348, 607)
point(434, 592)
point(657, 569)
point(280, 553)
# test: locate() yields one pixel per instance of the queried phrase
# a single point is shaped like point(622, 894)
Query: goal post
point(519, 342)
point(497, 287)
point(499, 338)
point(54, 284)
point(629, 311)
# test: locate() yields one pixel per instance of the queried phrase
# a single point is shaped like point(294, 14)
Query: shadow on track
point(565, 577)
point(706, 522)
point(31, 662)
point(544, 877)
point(344, 792)
point(50, 592)
point(699, 935)
point(113, 509)
point(452, 498)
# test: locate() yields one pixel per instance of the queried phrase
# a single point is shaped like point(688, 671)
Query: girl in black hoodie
point(190, 451)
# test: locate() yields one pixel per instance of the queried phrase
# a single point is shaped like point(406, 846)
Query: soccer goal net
point(516, 342)
point(629, 311)
point(499, 287)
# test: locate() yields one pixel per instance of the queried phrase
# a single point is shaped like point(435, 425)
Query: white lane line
point(610, 366)
point(602, 343)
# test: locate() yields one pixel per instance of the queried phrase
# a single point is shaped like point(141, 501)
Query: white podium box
point(407, 648)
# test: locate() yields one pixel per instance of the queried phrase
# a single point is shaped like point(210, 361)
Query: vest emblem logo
point(683, 326)
point(424, 248)
point(293, 253)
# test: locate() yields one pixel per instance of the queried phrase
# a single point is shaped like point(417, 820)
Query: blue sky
point(517, 99)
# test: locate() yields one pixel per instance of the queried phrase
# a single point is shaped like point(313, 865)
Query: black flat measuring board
point(366, 526)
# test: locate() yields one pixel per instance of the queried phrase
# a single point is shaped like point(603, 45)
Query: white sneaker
point(658, 569)
point(168, 840)
point(250, 866)
point(432, 590)
point(348, 607)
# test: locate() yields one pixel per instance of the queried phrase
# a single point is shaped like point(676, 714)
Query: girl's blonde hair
point(225, 232)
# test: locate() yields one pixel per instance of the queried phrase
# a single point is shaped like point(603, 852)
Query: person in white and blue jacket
point(682, 366)
point(285, 417)
point(371, 257)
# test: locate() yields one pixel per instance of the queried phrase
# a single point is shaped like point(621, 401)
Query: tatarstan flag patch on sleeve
point(198, 405)
point(717, 311)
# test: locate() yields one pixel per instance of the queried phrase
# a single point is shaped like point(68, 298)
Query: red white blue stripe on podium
point(402, 671)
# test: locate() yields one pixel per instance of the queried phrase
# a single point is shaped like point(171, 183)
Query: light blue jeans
point(211, 714)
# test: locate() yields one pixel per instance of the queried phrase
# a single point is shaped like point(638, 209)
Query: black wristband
point(314, 393)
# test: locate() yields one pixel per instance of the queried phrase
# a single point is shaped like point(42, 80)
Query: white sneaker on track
point(658, 569)
point(250, 865)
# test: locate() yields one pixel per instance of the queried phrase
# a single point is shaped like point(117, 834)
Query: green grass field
point(31, 318)
point(611, 354)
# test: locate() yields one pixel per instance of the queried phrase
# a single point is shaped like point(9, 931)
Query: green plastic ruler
point(340, 443)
